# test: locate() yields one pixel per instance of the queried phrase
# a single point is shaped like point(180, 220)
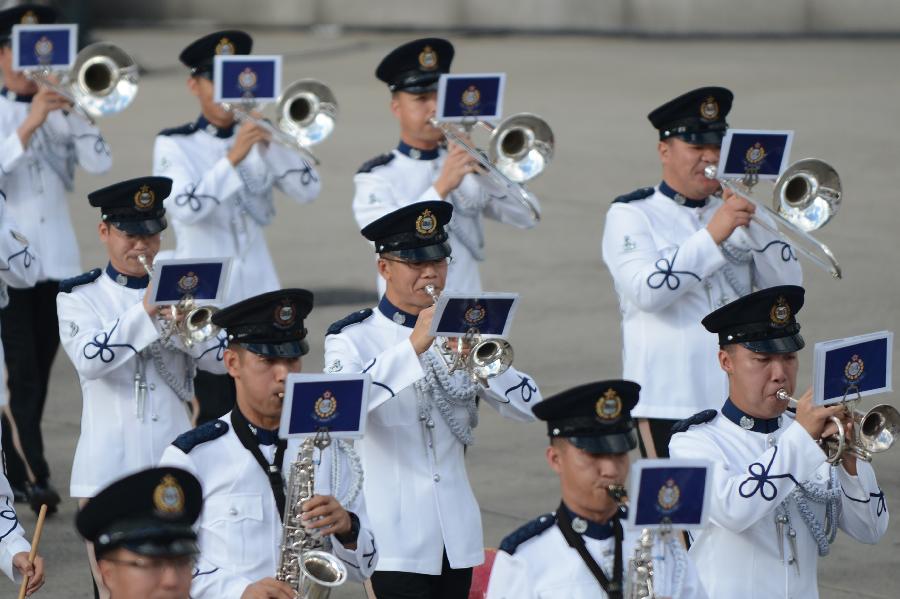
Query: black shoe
point(20, 495)
point(43, 493)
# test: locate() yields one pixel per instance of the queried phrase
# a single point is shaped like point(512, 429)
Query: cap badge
point(247, 80)
point(780, 313)
point(755, 154)
point(225, 47)
point(854, 369)
point(609, 406)
point(470, 97)
point(144, 198)
point(326, 406)
point(428, 59)
point(168, 496)
point(29, 18)
point(668, 496)
point(285, 315)
point(43, 48)
point(426, 224)
point(709, 109)
point(188, 282)
point(475, 315)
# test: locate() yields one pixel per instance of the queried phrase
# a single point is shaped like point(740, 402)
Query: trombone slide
point(243, 113)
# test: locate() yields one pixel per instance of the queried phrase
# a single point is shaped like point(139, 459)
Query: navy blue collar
point(14, 97)
point(203, 125)
point(416, 153)
point(678, 198)
point(265, 436)
point(127, 280)
point(396, 314)
point(587, 528)
point(747, 422)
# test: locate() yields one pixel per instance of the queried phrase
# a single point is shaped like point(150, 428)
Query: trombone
point(103, 81)
point(519, 149)
point(806, 196)
point(306, 114)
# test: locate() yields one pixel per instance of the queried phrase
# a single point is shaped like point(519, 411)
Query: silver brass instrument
point(519, 149)
point(640, 568)
point(306, 114)
point(196, 326)
point(103, 80)
point(304, 562)
point(486, 358)
point(873, 432)
point(806, 196)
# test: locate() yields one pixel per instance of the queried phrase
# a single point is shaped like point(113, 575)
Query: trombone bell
point(307, 110)
point(521, 146)
point(808, 194)
point(490, 358)
point(104, 79)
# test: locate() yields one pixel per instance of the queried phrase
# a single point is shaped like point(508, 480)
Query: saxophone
point(640, 568)
point(305, 562)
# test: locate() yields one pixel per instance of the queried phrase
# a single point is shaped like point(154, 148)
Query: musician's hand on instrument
point(34, 572)
point(151, 310)
point(457, 165)
point(248, 134)
point(733, 213)
point(325, 514)
point(420, 338)
point(816, 419)
point(268, 588)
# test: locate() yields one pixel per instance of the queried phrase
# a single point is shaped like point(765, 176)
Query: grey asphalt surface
point(839, 96)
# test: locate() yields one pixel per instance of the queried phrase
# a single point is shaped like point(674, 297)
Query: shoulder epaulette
point(203, 433)
point(637, 194)
point(698, 418)
point(185, 129)
point(527, 531)
point(67, 285)
point(355, 317)
point(380, 160)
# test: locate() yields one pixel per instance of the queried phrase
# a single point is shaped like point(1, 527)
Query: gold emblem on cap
point(285, 315)
point(609, 406)
point(854, 369)
point(326, 405)
point(668, 495)
point(780, 313)
point(144, 198)
point(29, 18)
point(428, 59)
point(168, 497)
point(709, 109)
point(755, 153)
point(426, 224)
point(225, 47)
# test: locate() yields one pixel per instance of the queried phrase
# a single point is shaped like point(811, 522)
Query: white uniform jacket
point(755, 476)
point(536, 562)
point(12, 536)
point(36, 178)
point(18, 267)
point(240, 527)
point(669, 274)
point(416, 485)
point(394, 180)
point(109, 338)
point(219, 210)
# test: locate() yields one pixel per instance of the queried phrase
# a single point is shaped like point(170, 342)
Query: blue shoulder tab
point(527, 531)
point(67, 285)
point(698, 418)
point(380, 160)
point(186, 129)
point(637, 194)
point(358, 316)
point(203, 433)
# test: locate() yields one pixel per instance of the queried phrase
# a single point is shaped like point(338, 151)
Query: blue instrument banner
point(670, 496)
point(50, 47)
point(200, 280)
point(862, 367)
point(471, 97)
point(489, 315)
point(247, 79)
point(763, 154)
point(333, 404)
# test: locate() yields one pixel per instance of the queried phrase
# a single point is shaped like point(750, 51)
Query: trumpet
point(103, 81)
point(307, 113)
point(873, 432)
point(486, 358)
point(806, 196)
point(519, 149)
point(196, 326)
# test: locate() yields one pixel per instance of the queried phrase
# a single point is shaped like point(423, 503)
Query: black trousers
point(660, 432)
point(449, 584)
point(30, 334)
point(215, 393)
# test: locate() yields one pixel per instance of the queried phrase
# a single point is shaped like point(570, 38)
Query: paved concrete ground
point(840, 97)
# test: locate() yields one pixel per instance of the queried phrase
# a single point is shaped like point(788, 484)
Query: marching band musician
point(420, 168)
point(41, 142)
point(591, 432)
point(240, 462)
point(676, 252)
point(222, 178)
point(775, 503)
point(422, 508)
point(135, 378)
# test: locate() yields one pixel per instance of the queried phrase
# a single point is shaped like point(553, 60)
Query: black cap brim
point(424, 253)
point(172, 548)
point(606, 444)
point(701, 138)
point(288, 349)
point(781, 345)
point(141, 227)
